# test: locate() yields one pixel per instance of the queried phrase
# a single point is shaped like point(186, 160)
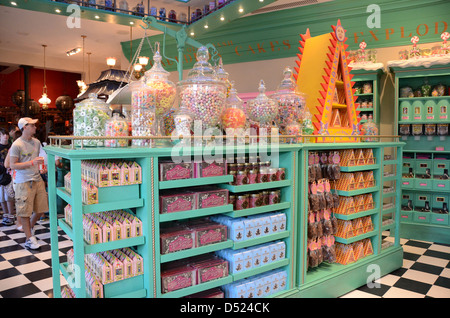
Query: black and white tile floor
point(27, 273)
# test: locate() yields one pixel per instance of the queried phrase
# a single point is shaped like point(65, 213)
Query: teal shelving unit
point(361, 77)
point(143, 200)
point(317, 282)
point(422, 152)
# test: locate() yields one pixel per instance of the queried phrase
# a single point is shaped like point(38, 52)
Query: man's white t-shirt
point(26, 151)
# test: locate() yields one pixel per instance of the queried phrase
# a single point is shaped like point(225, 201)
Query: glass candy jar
point(307, 125)
point(369, 129)
point(262, 109)
point(290, 101)
point(116, 126)
point(163, 90)
point(233, 116)
point(89, 118)
point(143, 112)
point(222, 75)
point(201, 92)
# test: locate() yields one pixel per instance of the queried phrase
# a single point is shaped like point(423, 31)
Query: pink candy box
point(182, 201)
point(176, 239)
point(177, 278)
point(210, 269)
point(209, 233)
point(211, 197)
point(214, 169)
point(211, 293)
point(175, 171)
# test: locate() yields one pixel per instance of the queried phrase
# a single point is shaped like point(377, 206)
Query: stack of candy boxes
point(104, 173)
point(258, 286)
point(253, 257)
point(192, 271)
point(178, 236)
point(107, 267)
point(350, 253)
point(110, 226)
point(251, 227)
point(169, 170)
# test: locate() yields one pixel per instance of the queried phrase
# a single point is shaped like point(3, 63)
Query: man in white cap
point(30, 193)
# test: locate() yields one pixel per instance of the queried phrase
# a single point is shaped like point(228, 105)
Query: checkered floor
point(27, 273)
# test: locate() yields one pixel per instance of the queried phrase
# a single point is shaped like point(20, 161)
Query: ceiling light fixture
point(192, 33)
point(13, 3)
point(73, 51)
point(97, 17)
point(241, 10)
point(131, 22)
point(81, 84)
point(206, 26)
point(57, 11)
point(111, 62)
point(222, 18)
point(44, 100)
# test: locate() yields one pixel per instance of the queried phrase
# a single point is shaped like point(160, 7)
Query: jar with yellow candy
point(222, 75)
point(163, 90)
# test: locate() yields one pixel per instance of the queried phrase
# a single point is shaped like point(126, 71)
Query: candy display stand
point(324, 76)
point(143, 201)
point(423, 119)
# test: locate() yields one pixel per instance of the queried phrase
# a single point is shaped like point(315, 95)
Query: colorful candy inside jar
point(290, 101)
point(143, 115)
point(161, 88)
point(233, 116)
point(89, 118)
point(369, 129)
point(202, 93)
point(262, 109)
point(116, 127)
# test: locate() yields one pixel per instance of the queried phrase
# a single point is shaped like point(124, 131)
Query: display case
point(197, 214)
point(367, 85)
point(422, 104)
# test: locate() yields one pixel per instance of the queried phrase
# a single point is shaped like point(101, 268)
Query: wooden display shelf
point(260, 240)
point(195, 251)
point(355, 238)
point(356, 215)
point(359, 168)
point(358, 191)
point(166, 217)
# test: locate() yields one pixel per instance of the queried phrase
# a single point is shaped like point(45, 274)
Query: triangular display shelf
point(323, 74)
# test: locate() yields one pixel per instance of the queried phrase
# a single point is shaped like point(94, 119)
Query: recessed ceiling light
point(57, 11)
point(192, 33)
point(131, 22)
point(241, 10)
point(222, 18)
point(261, 0)
point(97, 17)
point(206, 26)
point(13, 3)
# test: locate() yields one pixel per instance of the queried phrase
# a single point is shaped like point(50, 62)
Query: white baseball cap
point(25, 121)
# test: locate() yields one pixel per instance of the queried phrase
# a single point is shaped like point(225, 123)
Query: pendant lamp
point(44, 100)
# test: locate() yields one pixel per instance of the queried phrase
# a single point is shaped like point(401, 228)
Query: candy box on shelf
point(170, 201)
point(176, 238)
point(210, 269)
point(209, 233)
point(210, 169)
point(209, 197)
point(211, 293)
point(169, 170)
point(177, 278)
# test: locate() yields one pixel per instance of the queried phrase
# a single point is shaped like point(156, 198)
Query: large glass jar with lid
point(222, 75)
point(163, 90)
point(143, 113)
point(116, 126)
point(290, 101)
point(89, 118)
point(262, 109)
point(202, 93)
point(233, 116)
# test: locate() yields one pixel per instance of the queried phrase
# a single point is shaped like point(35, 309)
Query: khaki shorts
point(31, 197)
